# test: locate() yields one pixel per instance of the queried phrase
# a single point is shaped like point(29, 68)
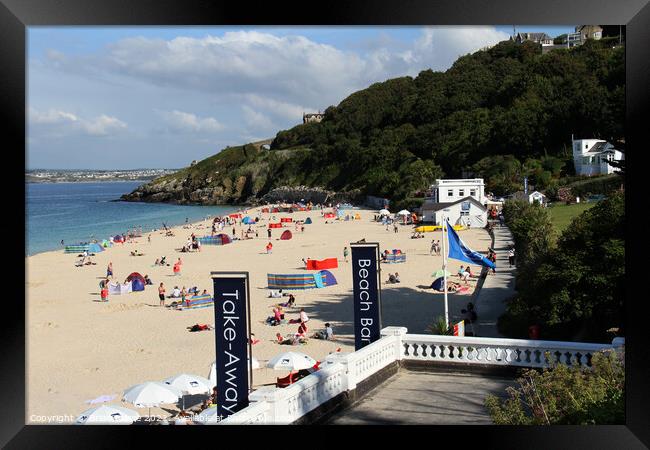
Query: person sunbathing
point(200, 327)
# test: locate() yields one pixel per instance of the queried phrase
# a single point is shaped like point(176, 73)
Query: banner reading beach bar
point(231, 325)
point(367, 298)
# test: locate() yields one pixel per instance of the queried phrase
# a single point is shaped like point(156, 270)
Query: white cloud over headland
point(184, 122)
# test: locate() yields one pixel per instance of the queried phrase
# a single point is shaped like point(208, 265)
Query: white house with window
point(448, 191)
point(591, 156)
point(464, 211)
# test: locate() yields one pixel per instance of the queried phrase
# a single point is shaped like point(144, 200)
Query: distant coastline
point(93, 176)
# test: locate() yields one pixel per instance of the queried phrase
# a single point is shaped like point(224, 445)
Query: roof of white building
point(436, 206)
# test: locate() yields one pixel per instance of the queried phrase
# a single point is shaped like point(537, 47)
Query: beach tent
point(137, 282)
point(135, 276)
point(248, 221)
point(265, 210)
point(357, 216)
point(286, 219)
point(438, 284)
point(275, 225)
point(286, 235)
point(329, 263)
point(118, 238)
point(307, 220)
point(329, 215)
point(275, 210)
point(79, 248)
point(219, 239)
point(106, 243)
point(341, 213)
point(301, 281)
point(137, 285)
point(95, 248)
point(384, 212)
point(235, 216)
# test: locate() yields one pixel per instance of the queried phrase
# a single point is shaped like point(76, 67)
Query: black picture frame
point(16, 15)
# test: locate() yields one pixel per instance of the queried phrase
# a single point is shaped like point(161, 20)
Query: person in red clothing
point(104, 293)
point(269, 248)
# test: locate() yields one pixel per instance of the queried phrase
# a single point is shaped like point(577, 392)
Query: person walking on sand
point(345, 254)
point(433, 247)
point(269, 233)
point(395, 228)
point(109, 270)
point(511, 256)
point(177, 269)
point(161, 294)
point(269, 248)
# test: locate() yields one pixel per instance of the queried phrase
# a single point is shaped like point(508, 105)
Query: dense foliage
point(566, 395)
point(572, 286)
point(501, 113)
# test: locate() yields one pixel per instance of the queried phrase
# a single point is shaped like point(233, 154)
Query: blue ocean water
point(80, 212)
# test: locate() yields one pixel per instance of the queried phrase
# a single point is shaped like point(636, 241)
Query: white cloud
point(284, 71)
point(58, 123)
point(184, 122)
point(256, 120)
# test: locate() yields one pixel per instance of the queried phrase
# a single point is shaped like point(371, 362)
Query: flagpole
point(444, 268)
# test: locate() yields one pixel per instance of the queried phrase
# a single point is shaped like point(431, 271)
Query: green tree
point(566, 395)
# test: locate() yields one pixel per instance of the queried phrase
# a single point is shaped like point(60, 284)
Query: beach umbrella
point(189, 384)
point(151, 393)
point(291, 361)
point(403, 213)
point(212, 376)
point(384, 212)
point(440, 273)
point(107, 415)
point(208, 416)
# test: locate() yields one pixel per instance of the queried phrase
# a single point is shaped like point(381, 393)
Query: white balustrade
point(496, 351)
point(340, 373)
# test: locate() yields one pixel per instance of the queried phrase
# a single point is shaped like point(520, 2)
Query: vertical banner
point(231, 326)
point(367, 298)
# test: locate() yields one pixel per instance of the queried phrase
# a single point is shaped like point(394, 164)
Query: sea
point(81, 212)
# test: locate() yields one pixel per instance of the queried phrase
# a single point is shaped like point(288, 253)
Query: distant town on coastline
point(81, 175)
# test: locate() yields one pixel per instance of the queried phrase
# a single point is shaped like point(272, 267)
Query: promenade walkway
point(426, 398)
point(497, 288)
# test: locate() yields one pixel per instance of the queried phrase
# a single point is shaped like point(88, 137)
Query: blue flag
point(458, 250)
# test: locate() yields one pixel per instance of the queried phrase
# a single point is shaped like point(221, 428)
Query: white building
point(590, 157)
point(448, 191)
point(465, 211)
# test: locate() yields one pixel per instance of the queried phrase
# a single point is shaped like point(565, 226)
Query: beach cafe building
point(465, 211)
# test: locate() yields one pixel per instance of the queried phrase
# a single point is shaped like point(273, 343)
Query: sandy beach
point(79, 348)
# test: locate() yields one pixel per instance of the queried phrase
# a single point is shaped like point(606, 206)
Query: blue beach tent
point(307, 220)
point(95, 248)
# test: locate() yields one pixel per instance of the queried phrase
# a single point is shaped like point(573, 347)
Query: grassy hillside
point(562, 215)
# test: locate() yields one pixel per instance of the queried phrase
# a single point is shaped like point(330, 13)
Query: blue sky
point(125, 97)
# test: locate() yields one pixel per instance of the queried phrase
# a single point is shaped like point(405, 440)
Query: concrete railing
point(341, 373)
point(496, 351)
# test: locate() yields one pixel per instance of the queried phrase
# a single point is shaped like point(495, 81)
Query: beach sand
point(79, 348)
